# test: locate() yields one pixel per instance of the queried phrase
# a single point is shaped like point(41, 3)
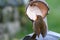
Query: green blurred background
point(54, 15)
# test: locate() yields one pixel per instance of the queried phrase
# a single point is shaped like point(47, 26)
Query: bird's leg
point(33, 37)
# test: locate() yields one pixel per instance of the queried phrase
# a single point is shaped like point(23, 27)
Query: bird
point(34, 11)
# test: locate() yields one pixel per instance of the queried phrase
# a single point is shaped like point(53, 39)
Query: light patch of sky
point(2, 2)
point(26, 1)
point(14, 2)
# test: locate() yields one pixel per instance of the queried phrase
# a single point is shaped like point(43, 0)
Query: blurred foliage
point(54, 15)
point(21, 10)
point(26, 24)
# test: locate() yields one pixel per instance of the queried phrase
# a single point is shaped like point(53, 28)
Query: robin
point(37, 11)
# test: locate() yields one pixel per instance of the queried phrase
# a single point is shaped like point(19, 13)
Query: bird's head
point(36, 8)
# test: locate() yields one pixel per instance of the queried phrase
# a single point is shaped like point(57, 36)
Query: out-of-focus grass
point(26, 29)
point(54, 15)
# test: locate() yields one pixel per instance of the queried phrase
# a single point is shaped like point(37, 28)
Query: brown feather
point(39, 26)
